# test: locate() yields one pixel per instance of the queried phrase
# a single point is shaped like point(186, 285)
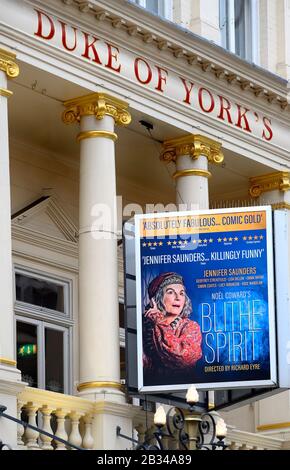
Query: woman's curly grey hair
point(187, 309)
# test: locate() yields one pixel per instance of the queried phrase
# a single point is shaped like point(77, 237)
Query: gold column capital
point(279, 180)
point(193, 145)
point(98, 105)
point(8, 64)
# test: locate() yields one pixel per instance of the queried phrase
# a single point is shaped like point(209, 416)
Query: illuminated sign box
point(205, 300)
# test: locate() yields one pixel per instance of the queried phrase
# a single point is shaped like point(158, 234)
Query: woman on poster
point(171, 341)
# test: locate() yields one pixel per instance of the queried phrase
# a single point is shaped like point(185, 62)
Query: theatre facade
point(106, 111)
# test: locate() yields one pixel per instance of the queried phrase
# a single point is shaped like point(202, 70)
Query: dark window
point(121, 316)
point(152, 5)
point(122, 364)
point(158, 7)
point(27, 352)
point(54, 362)
point(39, 292)
point(239, 27)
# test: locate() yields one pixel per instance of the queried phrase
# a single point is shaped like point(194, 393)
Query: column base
point(100, 391)
point(107, 417)
point(10, 387)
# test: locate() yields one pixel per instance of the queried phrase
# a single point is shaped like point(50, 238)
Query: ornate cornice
point(167, 38)
point(272, 181)
point(193, 145)
point(98, 105)
point(7, 63)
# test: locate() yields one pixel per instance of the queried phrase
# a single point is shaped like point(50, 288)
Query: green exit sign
point(27, 350)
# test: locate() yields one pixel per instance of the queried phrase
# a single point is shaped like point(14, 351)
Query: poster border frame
point(272, 382)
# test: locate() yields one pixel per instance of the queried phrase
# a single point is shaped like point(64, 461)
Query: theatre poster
point(205, 299)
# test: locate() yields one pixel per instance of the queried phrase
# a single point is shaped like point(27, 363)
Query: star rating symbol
point(144, 244)
point(179, 242)
point(230, 239)
point(256, 237)
point(261, 237)
point(155, 244)
point(149, 244)
point(250, 237)
point(185, 242)
point(219, 240)
point(174, 243)
point(205, 240)
point(244, 238)
point(199, 241)
point(194, 242)
point(225, 239)
point(168, 243)
point(236, 239)
point(160, 243)
point(210, 240)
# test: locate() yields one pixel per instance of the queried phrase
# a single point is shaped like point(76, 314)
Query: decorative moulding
point(279, 180)
point(56, 214)
point(207, 56)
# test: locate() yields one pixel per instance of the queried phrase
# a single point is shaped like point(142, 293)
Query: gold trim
point(194, 146)
point(87, 385)
point(280, 180)
point(6, 93)
point(266, 427)
point(7, 63)
point(9, 362)
point(193, 171)
point(92, 134)
point(98, 105)
point(280, 205)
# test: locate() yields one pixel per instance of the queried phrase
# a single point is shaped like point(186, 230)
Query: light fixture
point(208, 434)
point(192, 396)
point(160, 417)
point(221, 429)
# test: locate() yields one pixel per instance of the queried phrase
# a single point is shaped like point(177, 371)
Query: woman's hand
point(154, 314)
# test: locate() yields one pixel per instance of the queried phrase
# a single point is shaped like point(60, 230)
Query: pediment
point(46, 216)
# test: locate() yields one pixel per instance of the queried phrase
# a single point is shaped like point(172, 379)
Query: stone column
point(10, 376)
point(191, 155)
point(97, 114)
point(273, 414)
